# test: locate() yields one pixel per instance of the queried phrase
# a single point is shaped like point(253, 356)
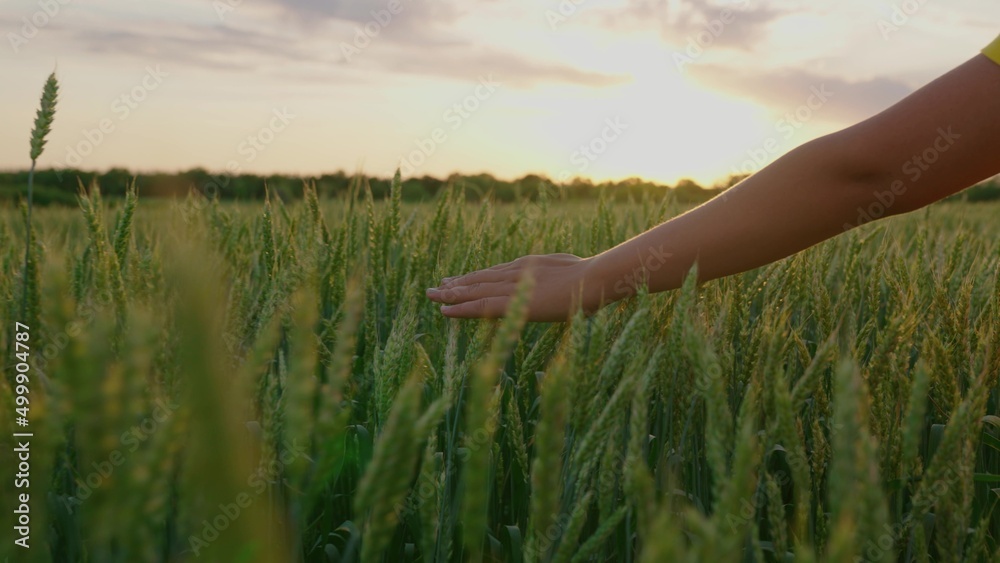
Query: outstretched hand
point(562, 284)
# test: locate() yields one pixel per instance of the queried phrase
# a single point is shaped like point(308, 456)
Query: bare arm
point(935, 142)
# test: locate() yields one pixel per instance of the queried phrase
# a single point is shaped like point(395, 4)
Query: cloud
point(679, 20)
point(214, 47)
point(412, 20)
point(289, 50)
point(469, 61)
point(785, 90)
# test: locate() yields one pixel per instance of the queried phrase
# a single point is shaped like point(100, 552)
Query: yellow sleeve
point(993, 50)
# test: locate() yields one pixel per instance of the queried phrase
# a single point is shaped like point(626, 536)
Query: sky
point(655, 89)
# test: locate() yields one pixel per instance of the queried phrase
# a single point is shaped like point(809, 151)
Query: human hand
point(563, 283)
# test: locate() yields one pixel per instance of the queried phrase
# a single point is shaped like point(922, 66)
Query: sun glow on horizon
point(595, 92)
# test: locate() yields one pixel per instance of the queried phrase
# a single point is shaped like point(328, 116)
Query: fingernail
point(445, 308)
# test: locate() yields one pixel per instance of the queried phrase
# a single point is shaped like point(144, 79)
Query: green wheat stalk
point(43, 124)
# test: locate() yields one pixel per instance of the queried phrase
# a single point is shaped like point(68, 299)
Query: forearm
point(933, 143)
point(801, 199)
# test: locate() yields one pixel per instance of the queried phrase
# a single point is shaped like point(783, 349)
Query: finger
point(445, 280)
point(513, 264)
point(486, 308)
point(473, 291)
point(495, 274)
point(500, 266)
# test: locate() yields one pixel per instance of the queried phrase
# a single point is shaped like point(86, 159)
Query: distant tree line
point(61, 186)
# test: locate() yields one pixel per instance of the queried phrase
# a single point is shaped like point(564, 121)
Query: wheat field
point(266, 382)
